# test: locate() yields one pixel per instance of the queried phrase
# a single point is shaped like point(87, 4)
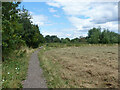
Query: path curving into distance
point(35, 77)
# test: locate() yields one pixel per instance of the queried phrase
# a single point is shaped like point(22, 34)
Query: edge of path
point(34, 78)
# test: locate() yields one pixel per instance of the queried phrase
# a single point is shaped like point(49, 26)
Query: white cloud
point(53, 4)
point(113, 26)
point(59, 34)
point(67, 32)
point(68, 35)
point(80, 24)
point(86, 24)
point(40, 20)
point(85, 15)
point(52, 10)
point(56, 16)
point(78, 34)
point(103, 12)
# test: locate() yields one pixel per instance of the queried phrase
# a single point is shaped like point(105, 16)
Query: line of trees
point(95, 36)
point(17, 29)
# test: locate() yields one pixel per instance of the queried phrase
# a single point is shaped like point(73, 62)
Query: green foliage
point(17, 29)
point(31, 34)
point(95, 36)
point(75, 40)
point(11, 39)
point(62, 45)
point(55, 39)
point(105, 37)
point(14, 69)
point(52, 39)
point(66, 40)
point(48, 38)
point(109, 37)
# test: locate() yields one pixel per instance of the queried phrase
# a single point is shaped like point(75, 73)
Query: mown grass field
point(86, 66)
point(14, 68)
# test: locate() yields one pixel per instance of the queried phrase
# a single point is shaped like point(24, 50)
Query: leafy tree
point(48, 38)
point(17, 29)
point(113, 37)
point(75, 40)
point(94, 35)
point(30, 34)
point(11, 39)
point(105, 37)
point(55, 39)
point(66, 40)
point(109, 37)
point(52, 39)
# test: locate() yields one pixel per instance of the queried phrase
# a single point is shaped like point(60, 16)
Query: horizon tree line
point(95, 36)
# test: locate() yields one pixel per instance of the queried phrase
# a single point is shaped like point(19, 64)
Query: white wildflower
point(8, 72)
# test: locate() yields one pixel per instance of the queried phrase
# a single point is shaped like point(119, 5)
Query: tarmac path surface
point(35, 78)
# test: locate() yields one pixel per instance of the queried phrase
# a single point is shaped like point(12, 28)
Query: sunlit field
point(89, 66)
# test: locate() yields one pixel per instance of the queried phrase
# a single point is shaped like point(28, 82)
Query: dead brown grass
point(87, 66)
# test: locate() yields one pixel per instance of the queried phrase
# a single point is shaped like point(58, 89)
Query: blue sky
point(71, 19)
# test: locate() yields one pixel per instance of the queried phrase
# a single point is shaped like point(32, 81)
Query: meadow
point(84, 66)
point(14, 68)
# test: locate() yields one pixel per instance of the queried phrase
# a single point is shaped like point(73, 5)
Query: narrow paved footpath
point(35, 77)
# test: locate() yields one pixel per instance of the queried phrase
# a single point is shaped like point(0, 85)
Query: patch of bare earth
point(87, 66)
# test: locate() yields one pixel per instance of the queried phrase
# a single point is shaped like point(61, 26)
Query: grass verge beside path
point(14, 69)
point(50, 70)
